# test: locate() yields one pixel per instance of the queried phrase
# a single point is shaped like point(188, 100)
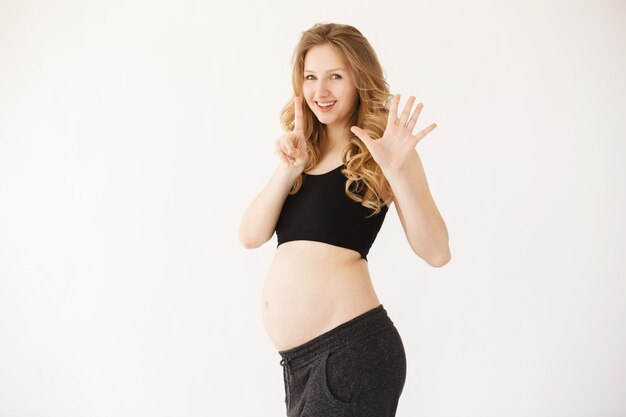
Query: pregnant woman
point(345, 157)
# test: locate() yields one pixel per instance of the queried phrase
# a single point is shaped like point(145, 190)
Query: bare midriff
point(311, 288)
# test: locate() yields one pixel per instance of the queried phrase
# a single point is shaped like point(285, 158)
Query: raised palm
point(393, 150)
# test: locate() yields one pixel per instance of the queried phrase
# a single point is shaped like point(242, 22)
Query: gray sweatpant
point(356, 369)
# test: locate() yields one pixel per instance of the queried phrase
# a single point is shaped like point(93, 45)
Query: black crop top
point(321, 211)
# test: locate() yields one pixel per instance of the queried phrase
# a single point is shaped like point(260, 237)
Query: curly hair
point(365, 180)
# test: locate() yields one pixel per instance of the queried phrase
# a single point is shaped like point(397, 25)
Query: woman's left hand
point(393, 150)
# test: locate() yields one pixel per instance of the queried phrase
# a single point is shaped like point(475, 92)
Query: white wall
point(133, 135)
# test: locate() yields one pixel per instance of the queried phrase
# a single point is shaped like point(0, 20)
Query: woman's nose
point(322, 89)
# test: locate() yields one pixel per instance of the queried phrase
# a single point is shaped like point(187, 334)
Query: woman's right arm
point(259, 220)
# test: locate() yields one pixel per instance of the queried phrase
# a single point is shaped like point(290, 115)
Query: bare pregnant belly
point(312, 287)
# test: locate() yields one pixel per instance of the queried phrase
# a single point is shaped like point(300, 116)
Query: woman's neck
point(336, 139)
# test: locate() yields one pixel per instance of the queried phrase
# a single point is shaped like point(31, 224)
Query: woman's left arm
point(423, 225)
point(396, 155)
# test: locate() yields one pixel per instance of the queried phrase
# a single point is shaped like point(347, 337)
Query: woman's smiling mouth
point(325, 105)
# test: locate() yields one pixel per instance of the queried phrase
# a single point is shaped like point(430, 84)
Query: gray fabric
point(357, 369)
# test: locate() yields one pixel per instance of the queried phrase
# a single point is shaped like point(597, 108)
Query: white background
point(134, 134)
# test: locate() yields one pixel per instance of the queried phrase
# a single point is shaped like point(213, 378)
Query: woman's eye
point(339, 77)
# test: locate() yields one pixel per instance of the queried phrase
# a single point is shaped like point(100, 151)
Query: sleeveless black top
point(321, 211)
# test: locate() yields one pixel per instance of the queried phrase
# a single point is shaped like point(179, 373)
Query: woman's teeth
point(326, 105)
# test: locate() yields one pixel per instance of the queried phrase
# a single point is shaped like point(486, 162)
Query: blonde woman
point(345, 157)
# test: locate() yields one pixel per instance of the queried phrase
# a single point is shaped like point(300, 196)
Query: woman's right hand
point(291, 147)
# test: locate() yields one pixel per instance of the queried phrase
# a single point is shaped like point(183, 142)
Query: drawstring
point(286, 373)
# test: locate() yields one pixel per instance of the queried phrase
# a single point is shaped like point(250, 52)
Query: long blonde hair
point(363, 173)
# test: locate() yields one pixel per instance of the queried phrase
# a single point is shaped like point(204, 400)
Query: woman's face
point(327, 80)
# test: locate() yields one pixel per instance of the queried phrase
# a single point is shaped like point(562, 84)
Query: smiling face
point(327, 80)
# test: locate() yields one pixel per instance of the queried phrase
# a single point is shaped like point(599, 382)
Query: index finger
point(297, 102)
